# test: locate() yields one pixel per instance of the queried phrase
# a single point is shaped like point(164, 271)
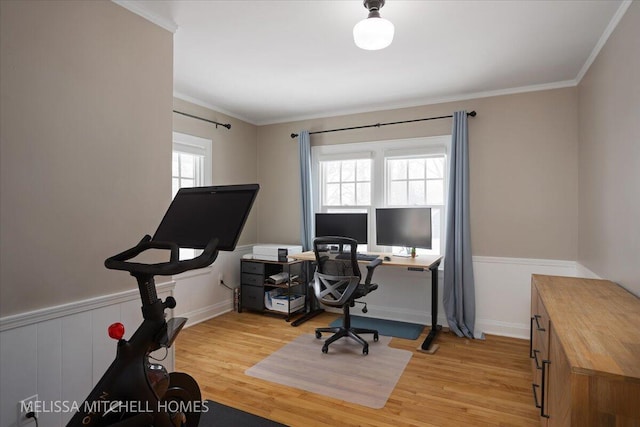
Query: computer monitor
point(407, 227)
point(197, 214)
point(353, 225)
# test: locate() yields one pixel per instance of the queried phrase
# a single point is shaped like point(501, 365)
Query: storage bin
point(277, 300)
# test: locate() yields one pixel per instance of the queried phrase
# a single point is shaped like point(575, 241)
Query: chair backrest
point(327, 248)
point(336, 279)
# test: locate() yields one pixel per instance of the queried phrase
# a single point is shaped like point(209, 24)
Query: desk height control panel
point(272, 287)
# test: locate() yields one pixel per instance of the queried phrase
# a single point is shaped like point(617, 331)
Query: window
point(346, 182)
point(415, 181)
point(191, 162)
point(191, 167)
point(418, 181)
point(346, 186)
point(361, 177)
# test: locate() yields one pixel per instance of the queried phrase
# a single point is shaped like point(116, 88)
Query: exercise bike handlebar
point(173, 266)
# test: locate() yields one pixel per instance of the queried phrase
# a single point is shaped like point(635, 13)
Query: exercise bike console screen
point(197, 214)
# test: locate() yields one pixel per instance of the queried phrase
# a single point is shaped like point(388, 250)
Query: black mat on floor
point(220, 415)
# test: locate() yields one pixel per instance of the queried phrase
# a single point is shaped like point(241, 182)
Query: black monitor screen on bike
point(196, 215)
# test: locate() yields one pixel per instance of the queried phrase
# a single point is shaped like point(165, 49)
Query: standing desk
point(419, 263)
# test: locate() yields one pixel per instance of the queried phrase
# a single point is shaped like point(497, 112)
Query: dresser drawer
point(252, 297)
point(252, 267)
point(252, 279)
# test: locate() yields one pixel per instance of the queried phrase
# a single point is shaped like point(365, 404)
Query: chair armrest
point(370, 267)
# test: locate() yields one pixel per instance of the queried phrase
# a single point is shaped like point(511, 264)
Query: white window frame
point(379, 151)
point(190, 144)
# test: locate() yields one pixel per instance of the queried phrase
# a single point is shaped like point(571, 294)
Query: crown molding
point(426, 101)
point(132, 6)
point(215, 108)
point(603, 39)
point(383, 107)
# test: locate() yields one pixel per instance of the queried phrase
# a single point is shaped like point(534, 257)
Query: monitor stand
point(404, 253)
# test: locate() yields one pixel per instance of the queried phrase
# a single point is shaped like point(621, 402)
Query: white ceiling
point(276, 61)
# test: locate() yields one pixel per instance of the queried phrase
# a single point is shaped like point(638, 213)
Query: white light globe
point(373, 33)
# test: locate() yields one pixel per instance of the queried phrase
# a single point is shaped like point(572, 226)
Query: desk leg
point(314, 310)
point(434, 308)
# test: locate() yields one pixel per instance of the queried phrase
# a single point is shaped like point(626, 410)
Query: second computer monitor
point(353, 225)
point(407, 227)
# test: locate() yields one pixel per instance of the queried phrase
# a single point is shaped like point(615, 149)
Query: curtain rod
point(295, 135)
point(226, 125)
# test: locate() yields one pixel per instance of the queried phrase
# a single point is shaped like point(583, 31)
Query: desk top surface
point(420, 261)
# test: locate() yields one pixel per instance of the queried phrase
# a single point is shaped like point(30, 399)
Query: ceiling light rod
point(226, 125)
point(377, 125)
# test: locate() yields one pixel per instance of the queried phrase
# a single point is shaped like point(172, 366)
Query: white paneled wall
point(503, 294)
point(60, 353)
point(200, 295)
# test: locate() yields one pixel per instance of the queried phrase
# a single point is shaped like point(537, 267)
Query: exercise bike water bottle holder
point(135, 392)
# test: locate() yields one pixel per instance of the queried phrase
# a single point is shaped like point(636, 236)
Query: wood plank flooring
point(465, 383)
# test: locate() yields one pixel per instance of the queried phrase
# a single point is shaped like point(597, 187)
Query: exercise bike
point(134, 391)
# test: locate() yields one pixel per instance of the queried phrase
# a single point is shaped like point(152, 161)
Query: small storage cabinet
point(585, 358)
point(257, 289)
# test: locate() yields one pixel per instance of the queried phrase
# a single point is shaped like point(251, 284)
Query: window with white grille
point(191, 167)
point(361, 177)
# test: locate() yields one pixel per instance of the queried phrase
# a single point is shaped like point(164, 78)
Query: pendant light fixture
point(374, 32)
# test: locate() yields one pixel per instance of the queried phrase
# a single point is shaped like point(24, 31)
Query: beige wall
point(523, 168)
point(609, 165)
point(86, 142)
point(85, 150)
point(233, 151)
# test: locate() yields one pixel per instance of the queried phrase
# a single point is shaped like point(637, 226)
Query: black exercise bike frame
point(133, 391)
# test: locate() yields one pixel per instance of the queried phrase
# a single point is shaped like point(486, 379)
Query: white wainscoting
point(60, 353)
point(503, 293)
point(199, 294)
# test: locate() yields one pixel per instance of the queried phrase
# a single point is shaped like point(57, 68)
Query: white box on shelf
point(275, 251)
point(276, 300)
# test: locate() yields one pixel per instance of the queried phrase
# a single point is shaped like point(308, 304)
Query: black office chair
point(337, 284)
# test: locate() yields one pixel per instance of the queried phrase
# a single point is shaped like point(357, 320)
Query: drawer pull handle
point(538, 327)
point(535, 395)
point(535, 358)
point(531, 339)
point(545, 370)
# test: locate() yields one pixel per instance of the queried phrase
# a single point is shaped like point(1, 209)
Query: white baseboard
point(583, 271)
point(504, 329)
point(197, 316)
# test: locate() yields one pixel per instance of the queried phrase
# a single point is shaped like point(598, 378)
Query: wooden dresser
point(585, 351)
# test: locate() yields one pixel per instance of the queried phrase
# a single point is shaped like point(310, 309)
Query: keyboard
point(361, 257)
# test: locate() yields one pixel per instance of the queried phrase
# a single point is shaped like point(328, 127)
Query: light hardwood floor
point(465, 383)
